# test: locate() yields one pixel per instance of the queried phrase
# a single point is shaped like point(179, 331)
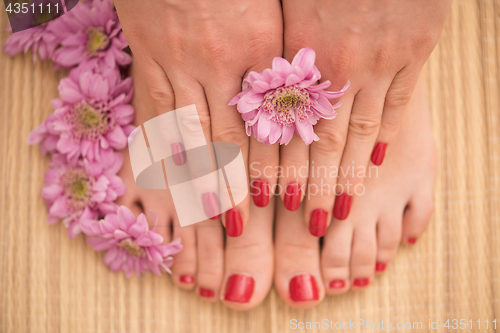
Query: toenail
point(234, 223)
point(260, 192)
point(412, 240)
point(361, 282)
point(239, 288)
point(211, 205)
point(317, 226)
point(380, 267)
point(303, 288)
point(337, 284)
point(342, 206)
point(378, 153)
point(186, 279)
point(292, 196)
point(178, 153)
point(208, 293)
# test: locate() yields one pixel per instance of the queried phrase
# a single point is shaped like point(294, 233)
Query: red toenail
point(260, 192)
point(380, 267)
point(234, 223)
point(186, 279)
point(412, 240)
point(239, 288)
point(211, 205)
point(317, 226)
point(292, 196)
point(303, 288)
point(208, 293)
point(361, 282)
point(378, 153)
point(337, 284)
point(178, 153)
point(342, 206)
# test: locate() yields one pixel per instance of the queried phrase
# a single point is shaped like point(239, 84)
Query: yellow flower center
point(97, 41)
point(133, 249)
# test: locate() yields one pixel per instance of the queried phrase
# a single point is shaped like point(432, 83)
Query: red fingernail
point(378, 153)
point(260, 192)
point(234, 223)
point(208, 293)
point(380, 267)
point(239, 288)
point(303, 288)
point(186, 279)
point(342, 206)
point(211, 205)
point(337, 284)
point(178, 153)
point(412, 240)
point(292, 196)
point(317, 226)
point(361, 282)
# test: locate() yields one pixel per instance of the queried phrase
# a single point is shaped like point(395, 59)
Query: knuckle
point(363, 127)
point(330, 141)
point(233, 134)
point(189, 123)
point(162, 99)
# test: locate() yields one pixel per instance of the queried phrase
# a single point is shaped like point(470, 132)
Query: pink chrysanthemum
point(91, 34)
point(40, 39)
point(285, 100)
point(81, 192)
point(130, 244)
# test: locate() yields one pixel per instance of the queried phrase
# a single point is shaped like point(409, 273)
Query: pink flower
point(40, 39)
point(83, 191)
point(129, 243)
point(285, 100)
point(90, 34)
point(45, 136)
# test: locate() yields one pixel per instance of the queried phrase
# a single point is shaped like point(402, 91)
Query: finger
point(263, 163)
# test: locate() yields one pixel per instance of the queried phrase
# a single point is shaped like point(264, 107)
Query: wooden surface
point(49, 283)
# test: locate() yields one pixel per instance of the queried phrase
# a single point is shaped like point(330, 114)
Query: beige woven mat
point(49, 283)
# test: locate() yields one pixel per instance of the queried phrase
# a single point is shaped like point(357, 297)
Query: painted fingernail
point(239, 288)
point(361, 282)
point(292, 196)
point(378, 153)
point(178, 153)
point(186, 279)
point(342, 206)
point(317, 226)
point(234, 223)
point(337, 284)
point(380, 267)
point(211, 205)
point(208, 293)
point(260, 192)
point(412, 240)
point(303, 288)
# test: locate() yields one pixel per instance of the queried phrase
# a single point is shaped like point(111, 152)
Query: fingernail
point(208, 293)
point(234, 223)
point(337, 284)
point(239, 288)
point(303, 288)
point(292, 196)
point(378, 153)
point(260, 192)
point(317, 226)
point(211, 205)
point(342, 206)
point(361, 282)
point(412, 240)
point(186, 279)
point(178, 153)
point(380, 267)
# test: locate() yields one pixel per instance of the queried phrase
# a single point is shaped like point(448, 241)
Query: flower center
point(286, 105)
point(97, 40)
point(76, 185)
point(133, 249)
point(90, 120)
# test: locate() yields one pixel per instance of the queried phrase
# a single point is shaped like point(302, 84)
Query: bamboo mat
point(49, 283)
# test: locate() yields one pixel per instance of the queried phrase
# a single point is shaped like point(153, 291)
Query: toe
point(416, 218)
point(364, 250)
point(388, 240)
point(184, 268)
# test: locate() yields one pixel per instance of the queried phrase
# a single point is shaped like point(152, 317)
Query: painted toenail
point(178, 153)
point(303, 288)
point(234, 223)
point(317, 226)
point(337, 284)
point(378, 153)
point(380, 267)
point(211, 205)
point(292, 196)
point(260, 192)
point(208, 293)
point(361, 282)
point(239, 288)
point(412, 240)
point(342, 206)
point(186, 279)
